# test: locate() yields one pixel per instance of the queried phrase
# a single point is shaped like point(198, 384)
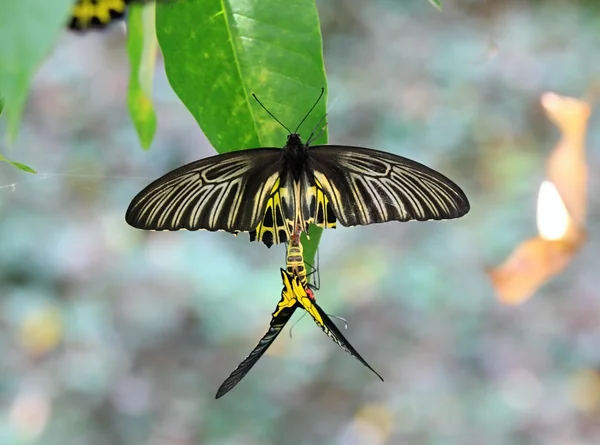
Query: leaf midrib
point(226, 15)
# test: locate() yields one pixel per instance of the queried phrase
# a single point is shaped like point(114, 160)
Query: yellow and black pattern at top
point(98, 14)
point(87, 14)
point(313, 205)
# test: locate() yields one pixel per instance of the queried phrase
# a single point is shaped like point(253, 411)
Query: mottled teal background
point(136, 331)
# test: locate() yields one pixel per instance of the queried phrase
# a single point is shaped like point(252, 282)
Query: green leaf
point(28, 30)
point(311, 244)
point(142, 47)
point(437, 4)
point(18, 165)
point(218, 52)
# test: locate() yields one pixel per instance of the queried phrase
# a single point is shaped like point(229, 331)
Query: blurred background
point(110, 335)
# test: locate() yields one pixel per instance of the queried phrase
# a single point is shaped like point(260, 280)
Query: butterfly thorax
point(295, 180)
point(294, 156)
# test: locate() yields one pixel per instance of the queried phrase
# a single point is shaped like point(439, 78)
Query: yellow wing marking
point(319, 210)
point(274, 228)
point(294, 292)
point(302, 297)
point(84, 11)
point(288, 298)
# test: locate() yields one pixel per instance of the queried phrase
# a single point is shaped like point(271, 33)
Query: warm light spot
point(551, 101)
point(561, 231)
point(585, 390)
point(373, 424)
point(29, 414)
point(552, 215)
point(41, 330)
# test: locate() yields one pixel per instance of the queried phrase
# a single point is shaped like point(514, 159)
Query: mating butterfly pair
point(276, 193)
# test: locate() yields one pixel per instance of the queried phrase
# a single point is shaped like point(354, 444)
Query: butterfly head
point(294, 141)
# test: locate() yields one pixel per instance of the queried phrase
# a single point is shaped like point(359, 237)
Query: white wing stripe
point(225, 192)
point(368, 186)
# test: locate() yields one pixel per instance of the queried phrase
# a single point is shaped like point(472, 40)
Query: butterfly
point(98, 14)
point(293, 296)
point(269, 191)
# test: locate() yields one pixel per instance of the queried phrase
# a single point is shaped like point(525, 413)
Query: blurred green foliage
point(18, 165)
point(28, 30)
point(142, 48)
point(437, 4)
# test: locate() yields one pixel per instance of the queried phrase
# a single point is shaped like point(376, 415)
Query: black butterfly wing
point(366, 186)
point(335, 334)
point(225, 192)
point(321, 319)
point(278, 322)
point(324, 322)
point(286, 307)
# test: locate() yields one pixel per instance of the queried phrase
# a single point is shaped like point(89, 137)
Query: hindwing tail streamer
point(284, 310)
point(332, 331)
point(277, 324)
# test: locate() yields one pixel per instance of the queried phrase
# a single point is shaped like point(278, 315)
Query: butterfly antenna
point(297, 321)
point(316, 285)
point(310, 111)
point(317, 270)
point(342, 319)
point(320, 128)
point(270, 114)
point(313, 270)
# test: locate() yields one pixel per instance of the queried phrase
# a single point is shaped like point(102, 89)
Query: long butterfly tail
point(335, 334)
point(277, 324)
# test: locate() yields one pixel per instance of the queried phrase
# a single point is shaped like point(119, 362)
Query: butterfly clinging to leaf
point(269, 191)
